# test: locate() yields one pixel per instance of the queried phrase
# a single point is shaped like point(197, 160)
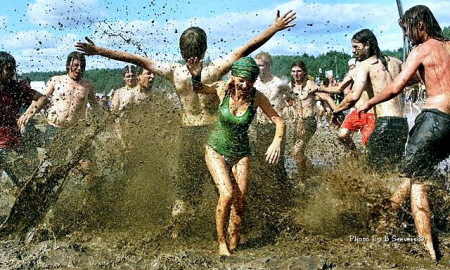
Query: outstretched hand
point(283, 22)
point(195, 66)
point(88, 48)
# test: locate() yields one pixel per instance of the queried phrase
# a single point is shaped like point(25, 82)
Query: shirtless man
point(387, 129)
point(198, 111)
point(304, 90)
point(124, 96)
point(138, 84)
point(70, 94)
point(428, 141)
point(145, 84)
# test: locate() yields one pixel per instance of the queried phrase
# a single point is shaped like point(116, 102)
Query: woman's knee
point(226, 195)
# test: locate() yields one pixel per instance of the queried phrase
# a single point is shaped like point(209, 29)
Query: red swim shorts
point(364, 122)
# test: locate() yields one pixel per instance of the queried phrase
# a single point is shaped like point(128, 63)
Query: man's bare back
point(373, 77)
point(433, 58)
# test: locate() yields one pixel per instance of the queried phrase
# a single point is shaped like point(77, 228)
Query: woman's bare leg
point(221, 176)
point(241, 173)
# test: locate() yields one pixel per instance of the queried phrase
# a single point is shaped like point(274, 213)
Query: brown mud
point(115, 212)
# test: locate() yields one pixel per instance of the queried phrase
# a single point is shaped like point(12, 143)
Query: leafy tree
point(446, 32)
point(397, 53)
point(104, 79)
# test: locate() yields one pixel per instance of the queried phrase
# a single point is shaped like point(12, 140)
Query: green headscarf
point(245, 67)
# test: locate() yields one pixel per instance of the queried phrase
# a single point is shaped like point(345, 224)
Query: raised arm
point(274, 150)
point(163, 69)
point(221, 66)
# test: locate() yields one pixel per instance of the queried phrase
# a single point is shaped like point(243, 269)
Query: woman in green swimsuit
point(228, 150)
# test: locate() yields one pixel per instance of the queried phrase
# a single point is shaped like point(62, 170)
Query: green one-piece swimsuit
point(230, 137)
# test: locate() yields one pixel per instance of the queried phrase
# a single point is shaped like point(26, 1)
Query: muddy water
point(115, 213)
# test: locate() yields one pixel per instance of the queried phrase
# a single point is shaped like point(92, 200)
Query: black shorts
point(428, 143)
point(386, 145)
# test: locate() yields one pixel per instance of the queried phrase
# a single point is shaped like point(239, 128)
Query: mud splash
point(115, 212)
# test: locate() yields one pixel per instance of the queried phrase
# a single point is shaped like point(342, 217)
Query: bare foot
point(430, 248)
point(223, 250)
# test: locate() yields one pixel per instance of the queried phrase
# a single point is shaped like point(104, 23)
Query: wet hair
point(419, 13)
point(76, 56)
point(266, 57)
point(140, 70)
point(193, 43)
point(7, 59)
point(300, 64)
point(129, 69)
point(367, 36)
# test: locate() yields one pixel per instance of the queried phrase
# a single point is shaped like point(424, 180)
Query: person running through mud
point(145, 84)
point(228, 148)
point(428, 140)
point(125, 95)
point(304, 90)
point(351, 123)
point(69, 94)
point(198, 111)
point(14, 95)
point(385, 131)
point(122, 99)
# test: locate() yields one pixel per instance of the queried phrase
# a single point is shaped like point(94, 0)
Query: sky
point(41, 33)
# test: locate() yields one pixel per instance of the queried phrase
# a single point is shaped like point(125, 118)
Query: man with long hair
point(385, 130)
point(14, 95)
point(427, 143)
point(305, 94)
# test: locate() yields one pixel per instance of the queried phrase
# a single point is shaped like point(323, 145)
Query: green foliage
point(335, 61)
point(397, 53)
point(446, 32)
point(104, 79)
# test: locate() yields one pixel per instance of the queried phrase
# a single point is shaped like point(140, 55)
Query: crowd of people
point(228, 124)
